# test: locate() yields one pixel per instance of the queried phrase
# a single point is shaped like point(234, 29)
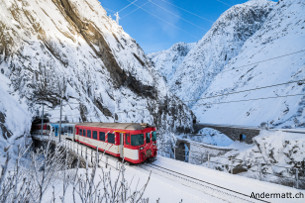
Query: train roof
point(119, 126)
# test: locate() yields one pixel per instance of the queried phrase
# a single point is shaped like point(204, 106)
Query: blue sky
point(158, 24)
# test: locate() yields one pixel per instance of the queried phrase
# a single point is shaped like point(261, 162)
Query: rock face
point(73, 50)
point(255, 44)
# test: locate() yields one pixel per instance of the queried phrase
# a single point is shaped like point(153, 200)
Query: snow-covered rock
point(213, 137)
point(166, 62)
point(72, 48)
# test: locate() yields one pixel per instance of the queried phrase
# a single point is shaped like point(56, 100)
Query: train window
point(111, 138)
point(102, 136)
point(154, 136)
point(94, 135)
point(147, 137)
point(84, 133)
point(89, 133)
point(80, 131)
point(127, 139)
point(137, 140)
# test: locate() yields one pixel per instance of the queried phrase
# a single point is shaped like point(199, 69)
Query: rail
point(210, 188)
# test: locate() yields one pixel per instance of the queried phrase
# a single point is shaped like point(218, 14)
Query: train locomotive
point(133, 142)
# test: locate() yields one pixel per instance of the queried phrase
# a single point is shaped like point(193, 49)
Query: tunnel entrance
point(182, 149)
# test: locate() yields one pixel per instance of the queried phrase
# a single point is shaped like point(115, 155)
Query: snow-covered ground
point(169, 188)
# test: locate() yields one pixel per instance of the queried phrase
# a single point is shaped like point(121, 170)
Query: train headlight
point(141, 148)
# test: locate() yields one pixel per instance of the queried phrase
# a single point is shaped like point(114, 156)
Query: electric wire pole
point(42, 114)
point(59, 130)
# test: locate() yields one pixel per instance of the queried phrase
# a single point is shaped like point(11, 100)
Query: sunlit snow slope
point(255, 44)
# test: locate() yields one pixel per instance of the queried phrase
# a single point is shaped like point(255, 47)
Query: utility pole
point(42, 113)
point(59, 130)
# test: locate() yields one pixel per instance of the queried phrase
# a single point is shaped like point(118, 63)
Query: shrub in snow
point(50, 170)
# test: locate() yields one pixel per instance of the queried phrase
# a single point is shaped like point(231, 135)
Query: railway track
point(216, 191)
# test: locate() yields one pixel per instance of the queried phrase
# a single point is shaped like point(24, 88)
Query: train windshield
point(154, 136)
point(137, 140)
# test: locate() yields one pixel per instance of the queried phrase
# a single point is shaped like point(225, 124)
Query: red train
point(133, 142)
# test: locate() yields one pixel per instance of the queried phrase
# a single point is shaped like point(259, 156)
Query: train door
point(121, 147)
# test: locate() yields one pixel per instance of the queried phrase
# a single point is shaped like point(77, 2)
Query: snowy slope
point(12, 114)
point(282, 33)
point(224, 61)
point(72, 48)
point(221, 43)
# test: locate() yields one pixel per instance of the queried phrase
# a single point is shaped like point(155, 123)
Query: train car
point(36, 129)
point(133, 142)
point(67, 130)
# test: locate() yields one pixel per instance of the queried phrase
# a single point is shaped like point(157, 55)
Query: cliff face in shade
point(225, 61)
point(72, 49)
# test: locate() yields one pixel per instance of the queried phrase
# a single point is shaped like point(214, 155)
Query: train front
point(141, 145)
point(149, 150)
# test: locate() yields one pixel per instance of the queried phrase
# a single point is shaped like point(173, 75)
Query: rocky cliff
point(72, 50)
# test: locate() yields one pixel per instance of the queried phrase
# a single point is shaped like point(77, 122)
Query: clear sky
point(158, 24)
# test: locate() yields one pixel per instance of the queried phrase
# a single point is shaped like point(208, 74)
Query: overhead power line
point(272, 58)
point(134, 10)
point(255, 99)
point(229, 93)
point(187, 11)
point(156, 16)
point(257, 62)
point(234, 101)
point(107, 9)
point(168, 11)
point(131, 3)
point(248, 90)
point(224, 3)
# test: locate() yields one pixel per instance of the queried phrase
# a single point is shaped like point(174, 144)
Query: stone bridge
point(195, 152)
point(241, 133)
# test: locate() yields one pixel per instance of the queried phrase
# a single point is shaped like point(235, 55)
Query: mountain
point(73, 50)
point(210, 54)
point(166, 62)
point(252, 45)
